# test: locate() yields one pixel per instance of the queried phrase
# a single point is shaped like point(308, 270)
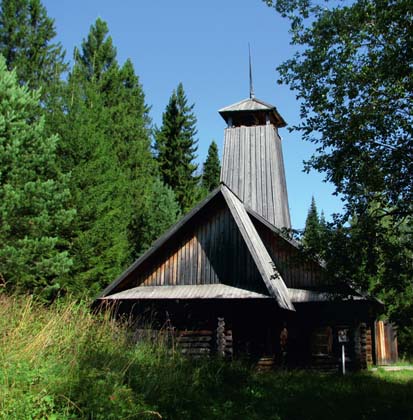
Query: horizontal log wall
point(195, 343)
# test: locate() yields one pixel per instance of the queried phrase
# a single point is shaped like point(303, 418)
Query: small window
point(322, 341)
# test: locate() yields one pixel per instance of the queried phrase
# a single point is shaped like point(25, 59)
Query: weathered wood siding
point(213, 253)
point(253, 168)
point(297, 271)
point(386, 343)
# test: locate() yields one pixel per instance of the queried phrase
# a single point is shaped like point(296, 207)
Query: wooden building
point(226, 280)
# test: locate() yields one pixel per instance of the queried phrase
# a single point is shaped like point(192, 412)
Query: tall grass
point(62, 362)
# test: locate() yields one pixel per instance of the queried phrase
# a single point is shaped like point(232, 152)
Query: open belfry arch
point(226, 279)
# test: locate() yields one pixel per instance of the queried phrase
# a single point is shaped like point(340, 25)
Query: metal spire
point(251, 85)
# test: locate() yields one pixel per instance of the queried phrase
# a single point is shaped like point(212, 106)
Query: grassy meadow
point(61, 362)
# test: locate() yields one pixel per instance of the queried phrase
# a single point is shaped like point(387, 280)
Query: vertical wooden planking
point(244, 280)
point(162, 282)
point(247, 169)
point(207, 251)
point(189, 259)
point(242, 180)
point(222, 246)
point(185, 271)
point(181, 263)
point(283, 181)
point(239, 263)
point(235, 173)
point(149, 278)
point(223, 263)
point(217, 248)
point(168, 269)
point(192, 258)
point(156, 276)
point(199, 255)
point(203, 259)
point(253, 168)
point(224, 168)
point(231, 135)
point(258, 141)
point(152, 278)
point(214, 227)
point(174, 266)
point(264, 170)
point(236, 256)
point(227, 246)
point(171, 267)
point(253, 187)
point(269, 174)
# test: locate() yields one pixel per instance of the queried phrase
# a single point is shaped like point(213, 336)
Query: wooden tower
point(252, 165)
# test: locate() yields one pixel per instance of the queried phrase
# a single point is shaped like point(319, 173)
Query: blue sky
point(204, 45)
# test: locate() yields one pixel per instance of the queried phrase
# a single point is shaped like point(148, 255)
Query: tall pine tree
point(175, 146)
point(100, 239)
point(104, 125)
point(26, 42)
point(211, 169)
point(160, 211)
point(312, 230)
point(99, 184)
point(34, 198)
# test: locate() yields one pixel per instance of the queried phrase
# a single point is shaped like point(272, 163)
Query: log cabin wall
point(214, 252)
point(296, 271)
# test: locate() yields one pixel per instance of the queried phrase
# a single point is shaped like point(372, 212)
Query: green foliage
point(34, 197)
point(352, 74)
point(175, 146)
point(100, 236)
point(353, 77)
point(311, 236)
point(98, 55)
point(104, 124)
point(63, 363)
point(212, 168)
point(26, 34)
point(159, 211)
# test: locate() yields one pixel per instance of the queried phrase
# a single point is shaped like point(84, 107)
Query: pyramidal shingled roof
point(249, 104)
point(272, 279)
point(252, 105)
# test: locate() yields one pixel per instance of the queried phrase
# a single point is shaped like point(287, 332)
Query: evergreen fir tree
point(212, 168)
point(311, 237)
point(175, 145)
point(104, 124)
point(34, 198)
point(99, 187)
point(98, 55)
point(26, 34)
point(161, 211)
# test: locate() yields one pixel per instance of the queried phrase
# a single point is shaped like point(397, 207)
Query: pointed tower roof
point(253, 105)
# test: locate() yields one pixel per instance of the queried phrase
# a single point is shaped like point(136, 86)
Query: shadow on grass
point(147, 382)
